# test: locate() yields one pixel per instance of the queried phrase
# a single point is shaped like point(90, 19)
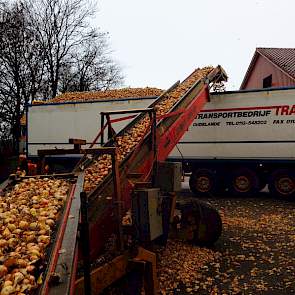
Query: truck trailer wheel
point(244, 182)
point(203, 182)
point(282, 183)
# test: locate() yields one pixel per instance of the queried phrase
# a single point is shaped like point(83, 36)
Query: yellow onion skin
point(25, 230)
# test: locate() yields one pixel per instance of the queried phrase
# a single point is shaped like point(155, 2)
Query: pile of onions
point(102, 166)
point(28, 214)
point(108, 94)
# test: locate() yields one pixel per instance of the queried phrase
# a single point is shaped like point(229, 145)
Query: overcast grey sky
point(158, 42)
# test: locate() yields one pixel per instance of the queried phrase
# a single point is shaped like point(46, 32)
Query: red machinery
point(140, 165)
point(106, 247)
point(155, 146)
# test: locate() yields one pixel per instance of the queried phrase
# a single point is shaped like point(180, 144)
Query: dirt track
point(255, 254)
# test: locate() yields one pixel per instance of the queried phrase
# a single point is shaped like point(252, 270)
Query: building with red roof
point(270, 67)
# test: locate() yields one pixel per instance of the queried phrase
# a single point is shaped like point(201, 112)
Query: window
point(267, 81)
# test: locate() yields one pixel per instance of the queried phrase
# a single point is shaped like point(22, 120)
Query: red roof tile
point(284, 58)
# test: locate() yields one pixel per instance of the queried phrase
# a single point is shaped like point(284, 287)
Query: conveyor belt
point(53, 254)
point(62, 253)
point(141, 158)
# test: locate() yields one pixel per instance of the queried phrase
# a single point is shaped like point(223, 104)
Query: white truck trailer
point(240, 141)
point(50, 125)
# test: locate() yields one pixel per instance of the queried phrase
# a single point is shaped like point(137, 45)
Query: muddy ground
point(254, 255)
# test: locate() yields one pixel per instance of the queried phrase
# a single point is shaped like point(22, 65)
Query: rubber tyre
point(244, 182)
point(207, 221)
point(203, 182)
point(282, 183)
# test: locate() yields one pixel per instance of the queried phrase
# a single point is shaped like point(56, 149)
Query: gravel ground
point(254, 255)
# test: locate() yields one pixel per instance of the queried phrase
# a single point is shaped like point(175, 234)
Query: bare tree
point(91, 67)
point(48, 46)
point(21, 67)
point(62, 26)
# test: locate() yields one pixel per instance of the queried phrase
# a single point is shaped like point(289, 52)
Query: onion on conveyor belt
point(30, 212)
point(102, 166)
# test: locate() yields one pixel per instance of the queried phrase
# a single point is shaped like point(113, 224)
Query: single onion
point(7, 290)
point(23, 224)
point(3, 243)
point(3, 271)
